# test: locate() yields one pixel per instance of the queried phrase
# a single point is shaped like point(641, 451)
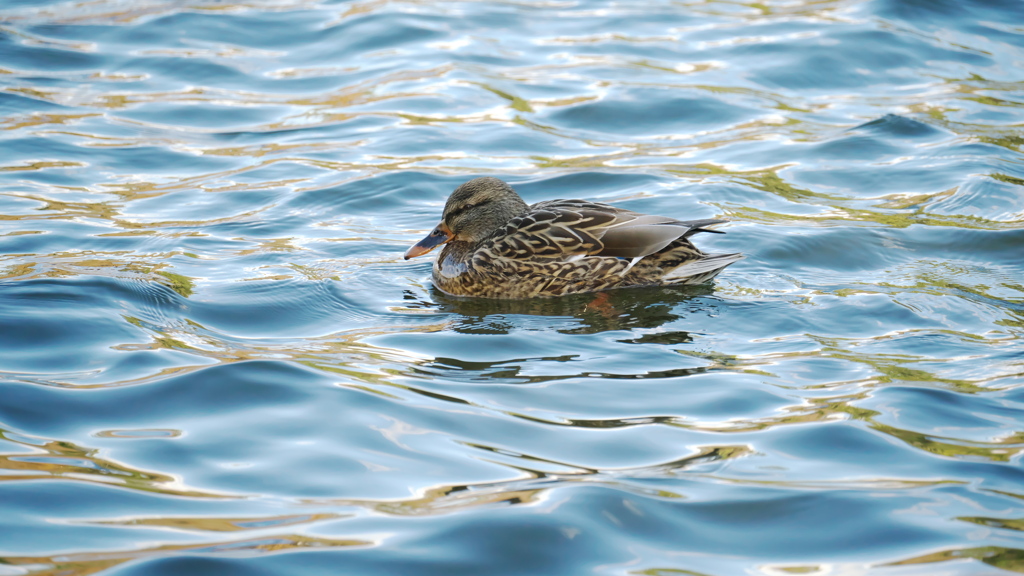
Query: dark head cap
point(481, 206)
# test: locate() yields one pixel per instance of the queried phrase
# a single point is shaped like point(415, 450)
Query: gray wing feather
point(638, 235)
point(710, 263)
point(573, 228)
point(638, 238)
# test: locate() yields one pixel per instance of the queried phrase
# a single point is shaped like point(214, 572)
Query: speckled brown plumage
point(495, 246)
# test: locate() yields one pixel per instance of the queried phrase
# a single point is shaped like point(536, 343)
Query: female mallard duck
point(496, 246)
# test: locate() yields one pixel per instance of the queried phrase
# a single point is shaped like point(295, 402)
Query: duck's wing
point(571, 229)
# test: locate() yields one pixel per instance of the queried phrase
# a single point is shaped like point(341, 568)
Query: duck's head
point(473, 211)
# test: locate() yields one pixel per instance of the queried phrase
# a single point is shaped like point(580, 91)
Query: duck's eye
point(436, 232)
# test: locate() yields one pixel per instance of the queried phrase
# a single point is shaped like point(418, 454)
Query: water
point(213, 359)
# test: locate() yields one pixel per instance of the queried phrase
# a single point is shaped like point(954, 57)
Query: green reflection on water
point(215, 524)
point(181, 284)
point(667, 572)
point(1007, 523)
point(59, 459)
point(84, 564)
point(1011, 559)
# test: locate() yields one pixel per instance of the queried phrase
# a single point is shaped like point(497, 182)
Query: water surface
point(214, 360)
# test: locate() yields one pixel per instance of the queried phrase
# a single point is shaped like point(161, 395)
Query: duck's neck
point(457, 251)
point(454, 258)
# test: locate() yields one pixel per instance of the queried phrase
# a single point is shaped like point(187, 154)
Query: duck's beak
point(440, 235)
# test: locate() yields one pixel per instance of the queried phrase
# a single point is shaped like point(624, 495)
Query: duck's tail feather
point(699, 271)
point(700, 226)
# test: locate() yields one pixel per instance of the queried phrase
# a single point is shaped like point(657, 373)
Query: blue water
point(214, 360)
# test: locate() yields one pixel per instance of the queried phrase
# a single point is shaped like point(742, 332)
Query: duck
point(497, 246)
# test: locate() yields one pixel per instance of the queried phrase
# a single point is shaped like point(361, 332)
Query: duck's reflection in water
point(583, 313)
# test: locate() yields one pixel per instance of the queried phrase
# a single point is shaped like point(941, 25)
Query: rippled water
point(213, 359)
